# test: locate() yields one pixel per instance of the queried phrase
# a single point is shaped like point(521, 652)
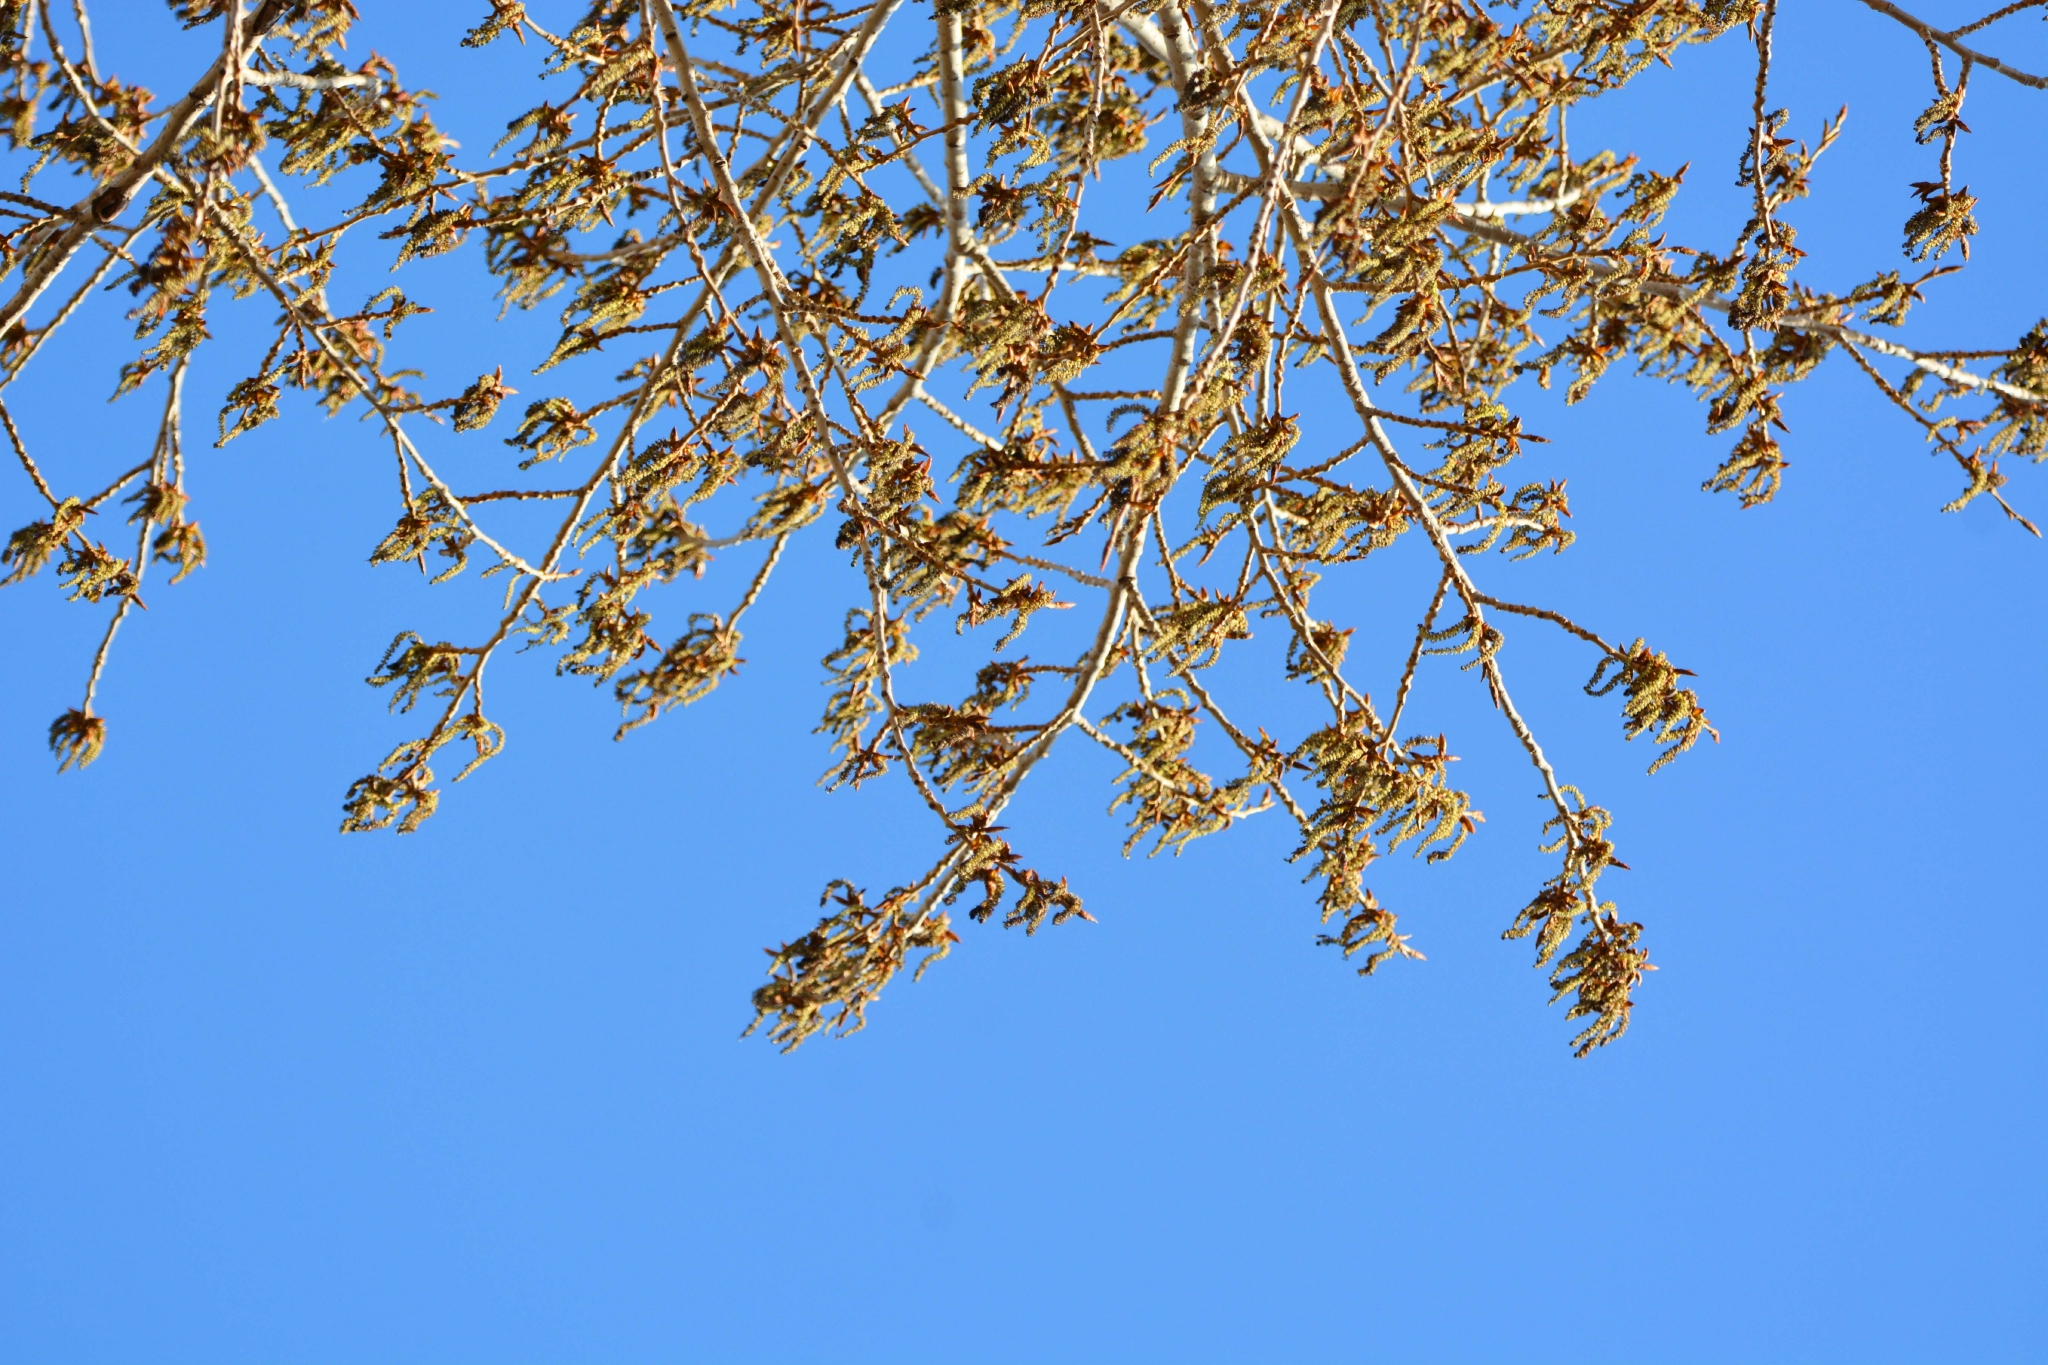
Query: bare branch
point(1949, 41)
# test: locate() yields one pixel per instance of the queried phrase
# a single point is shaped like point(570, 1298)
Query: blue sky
point(477, 1094)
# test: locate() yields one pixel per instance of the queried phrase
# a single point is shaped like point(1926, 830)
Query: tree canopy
point(779, 235)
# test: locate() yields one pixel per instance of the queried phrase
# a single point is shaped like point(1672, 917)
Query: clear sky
point(268, 1093)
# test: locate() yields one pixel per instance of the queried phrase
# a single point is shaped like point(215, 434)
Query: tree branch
point(1949, 41)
